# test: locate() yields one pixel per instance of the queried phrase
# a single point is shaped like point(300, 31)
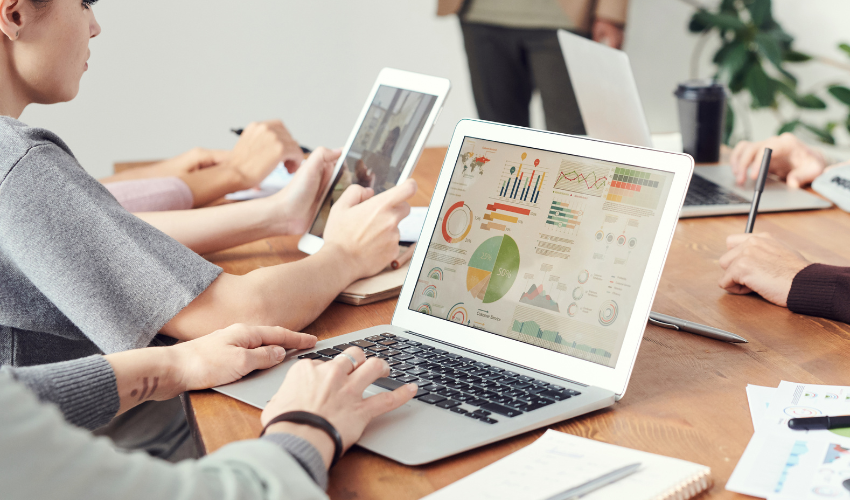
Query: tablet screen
point(541, 247)
point(382, 146)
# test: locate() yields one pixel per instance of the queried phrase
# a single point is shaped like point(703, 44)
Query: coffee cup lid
point(700, 90)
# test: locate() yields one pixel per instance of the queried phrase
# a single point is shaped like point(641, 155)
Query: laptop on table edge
point(528, 302)
point(610, 106)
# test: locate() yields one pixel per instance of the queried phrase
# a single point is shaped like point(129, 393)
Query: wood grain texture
point(686, 398)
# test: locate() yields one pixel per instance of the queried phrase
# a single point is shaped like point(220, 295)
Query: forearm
point(145, 375)
point(212, 183)
point(290, 295)
point(155, 169)
point(216, 228)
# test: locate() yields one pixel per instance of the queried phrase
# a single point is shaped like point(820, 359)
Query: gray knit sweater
point(86, 394)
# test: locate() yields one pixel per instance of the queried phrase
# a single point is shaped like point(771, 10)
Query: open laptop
point(611, 109)
point(528, 294)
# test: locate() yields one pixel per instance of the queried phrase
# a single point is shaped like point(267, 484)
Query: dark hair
point(43, 3)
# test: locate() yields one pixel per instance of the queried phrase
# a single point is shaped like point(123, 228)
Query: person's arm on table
point(211, 174)
point(761, 264)
point(91, 391)
point(210, 229)
point(289, 462)
point(792, 160)
point(361, 239)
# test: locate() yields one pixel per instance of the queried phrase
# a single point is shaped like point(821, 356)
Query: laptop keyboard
point(464, 386)
point(702, 191)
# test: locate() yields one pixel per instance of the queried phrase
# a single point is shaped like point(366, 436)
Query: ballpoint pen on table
point(596, 483)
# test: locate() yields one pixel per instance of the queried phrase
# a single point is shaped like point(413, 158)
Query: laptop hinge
point(494, 358)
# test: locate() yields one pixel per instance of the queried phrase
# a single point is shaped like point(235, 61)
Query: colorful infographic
point(541, 247)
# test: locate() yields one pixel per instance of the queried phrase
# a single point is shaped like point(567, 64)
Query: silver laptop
point(528, 294)
point(610, 106)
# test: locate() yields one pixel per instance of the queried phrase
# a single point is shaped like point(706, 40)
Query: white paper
point(783, 464)
point(759, 399)
point(557, 462)
point(275, 181)
point(411, 226)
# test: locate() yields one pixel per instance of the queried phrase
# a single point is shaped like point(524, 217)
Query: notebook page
point(557, 462)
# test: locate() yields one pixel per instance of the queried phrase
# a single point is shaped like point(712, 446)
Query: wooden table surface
point(686, 398)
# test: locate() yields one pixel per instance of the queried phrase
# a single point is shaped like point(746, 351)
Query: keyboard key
point(573, 393)
point(377, 349)
point(388, 383)
point(403, 357)
point(452, 362)
point(508, 381)
point(407, 379)
point(541, 402)
point(417, 361)
point(310, 355)
point(479, 364)
point(417, 371)
point(535, 389)
point(328, 352)
point(500, 399)
point(520, 385)
point(405, 367)
point(468, 379)
point(478, 372)
point(342, 347)
point(493, 376)
point(448, 404)
point(457, 385)
point(388, 342)
point(452, 355)
point(471, 415)
point(438, 358)
point(400, 339)
point(439, 351)
point(501, 410)
point(477, 402)
point(413, 343)
point(464, 397)
point(448, 392)
point(370, 355)
point(427, 347)
point(436, 388)
point(556, 395)
point(475, 390)
point(496, 369)
point(525, 379)
point(553, 387)
point(424, 384)
point(365, 344)
point(393, 362)
point(432, 399)
point(510, 374)
point(481, 413)
point(396, 374)
point(412, 350)
point(392, 352)
point(489, 394)
point(488, 420)
point(459, 410)
point(375, 338)
point(388, 335)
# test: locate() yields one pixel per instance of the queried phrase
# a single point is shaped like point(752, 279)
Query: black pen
point(819, 423)
point(304, 149)
point(759, 188)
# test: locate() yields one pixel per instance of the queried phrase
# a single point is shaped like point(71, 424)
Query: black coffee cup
point(702, 113)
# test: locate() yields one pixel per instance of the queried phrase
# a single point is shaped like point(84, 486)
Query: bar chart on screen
point(509, 216)
point(521, 181)
point(565, 214)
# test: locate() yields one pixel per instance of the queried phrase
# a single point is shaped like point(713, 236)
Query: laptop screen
point(382, 146)
point(544, 248)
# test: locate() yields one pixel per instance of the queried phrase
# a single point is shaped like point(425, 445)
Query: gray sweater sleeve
point(84, 389)
point(44, 457)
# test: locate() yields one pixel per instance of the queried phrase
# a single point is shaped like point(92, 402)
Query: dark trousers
point(507, 64)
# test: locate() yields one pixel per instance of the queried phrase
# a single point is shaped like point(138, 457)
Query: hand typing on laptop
point(792, 160)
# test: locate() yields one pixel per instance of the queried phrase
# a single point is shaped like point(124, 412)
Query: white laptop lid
point(605, 89)
point(544, 249)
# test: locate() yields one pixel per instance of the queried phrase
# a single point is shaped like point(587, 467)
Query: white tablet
point(386, 141)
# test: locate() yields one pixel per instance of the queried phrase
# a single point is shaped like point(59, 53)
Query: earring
point(17, 34)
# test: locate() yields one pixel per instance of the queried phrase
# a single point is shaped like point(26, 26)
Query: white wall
point(167, 75)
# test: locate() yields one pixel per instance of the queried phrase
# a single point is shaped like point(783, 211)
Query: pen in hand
point(759, 188)
point(304, 149)
point(403, 258)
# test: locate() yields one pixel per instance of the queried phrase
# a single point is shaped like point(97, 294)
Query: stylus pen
point(594, 484)
point(819, 423)
point(304, 149)
point(665, 321)
point(754, 207)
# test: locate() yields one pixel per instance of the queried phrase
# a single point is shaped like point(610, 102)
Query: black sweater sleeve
point(821, 290)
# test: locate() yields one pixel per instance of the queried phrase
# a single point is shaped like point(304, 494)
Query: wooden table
point(686, 398)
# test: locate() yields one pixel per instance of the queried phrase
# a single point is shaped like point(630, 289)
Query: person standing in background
point(512, 48)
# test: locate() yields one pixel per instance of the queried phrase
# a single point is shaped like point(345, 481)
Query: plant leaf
point(824, 135)
point(697, 24)
point(761, 86)
point(845, 48)
point(848, 123)
point(729, 124)
point(721, 21)
point(794, 56)
point(841, 93)
point(810, 101)
point(788, 127)
point(732, 58)
point(760, 12)
point(770, 48)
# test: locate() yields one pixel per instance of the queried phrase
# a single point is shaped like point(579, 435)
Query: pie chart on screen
point(457, 222)
point(493, 268)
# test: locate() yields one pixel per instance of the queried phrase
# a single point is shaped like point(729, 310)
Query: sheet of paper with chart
point(545, 248)
point(782, 464)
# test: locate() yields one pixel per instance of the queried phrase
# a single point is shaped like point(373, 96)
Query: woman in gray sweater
point(42, 456)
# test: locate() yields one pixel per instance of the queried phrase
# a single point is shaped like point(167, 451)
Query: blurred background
point(165, 76)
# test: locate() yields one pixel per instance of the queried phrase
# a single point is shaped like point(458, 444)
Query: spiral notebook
point(558, 462)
